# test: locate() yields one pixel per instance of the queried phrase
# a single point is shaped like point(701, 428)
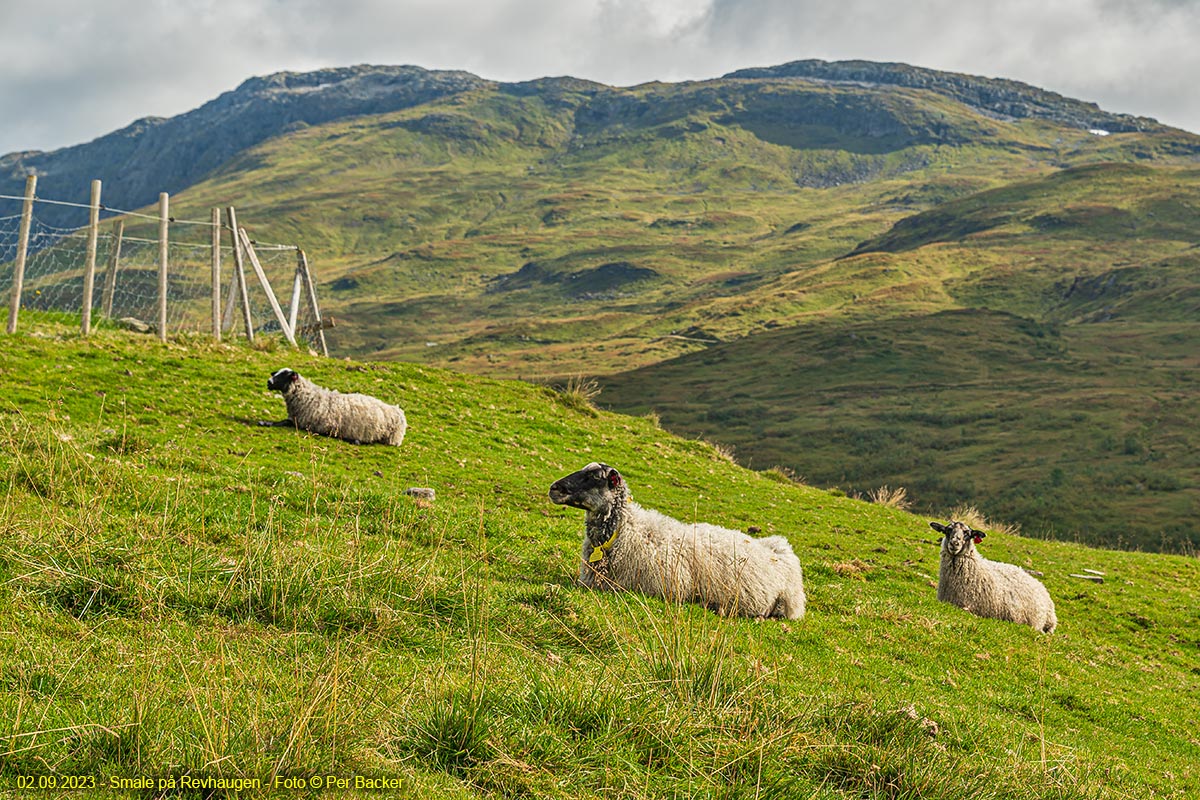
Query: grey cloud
point(81, 69)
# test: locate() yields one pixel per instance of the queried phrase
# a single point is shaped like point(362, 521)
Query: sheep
point(627, 547)
point(989, 588)
point(357, 418)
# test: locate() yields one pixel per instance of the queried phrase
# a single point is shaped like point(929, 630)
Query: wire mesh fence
point(127, 266)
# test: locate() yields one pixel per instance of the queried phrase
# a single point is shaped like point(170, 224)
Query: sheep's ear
point(937, 526)
point(614, 479)
point(978, 536)
point(295, 376)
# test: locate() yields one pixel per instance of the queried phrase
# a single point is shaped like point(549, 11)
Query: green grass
point(1077, 432)
point(183, 592)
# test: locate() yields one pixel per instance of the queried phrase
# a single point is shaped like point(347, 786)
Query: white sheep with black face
point(627, 547)
point(989, 588)
point(357, 418)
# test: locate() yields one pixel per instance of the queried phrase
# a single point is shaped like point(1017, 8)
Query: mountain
point(155, 155)
point(659, 237)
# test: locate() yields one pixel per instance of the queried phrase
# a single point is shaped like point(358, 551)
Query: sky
point(74, 70)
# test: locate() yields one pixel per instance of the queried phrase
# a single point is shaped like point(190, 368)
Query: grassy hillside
point(1077, 432)
point(1030, 349)
point(722, 190)
point(185, 593)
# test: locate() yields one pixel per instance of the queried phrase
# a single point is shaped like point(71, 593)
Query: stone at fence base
point(135, 324)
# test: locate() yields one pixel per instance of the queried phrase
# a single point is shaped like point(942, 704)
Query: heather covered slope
point(183, 592)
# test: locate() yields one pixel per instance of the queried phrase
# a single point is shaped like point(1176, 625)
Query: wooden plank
point(110, 277)
point(18, 285)
point(317, 327)
point(230, 299)
point(89, 269)
point(240, 272)
point(311, 290)
point(248, 247)
point(294, 308)
point(164, 217)
point(216, 273)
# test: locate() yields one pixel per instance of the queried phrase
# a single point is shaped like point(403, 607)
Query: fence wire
point(56, 263)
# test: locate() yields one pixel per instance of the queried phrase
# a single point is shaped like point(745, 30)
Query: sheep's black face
point(958, 536)
point(282, 379)
point(591, 488)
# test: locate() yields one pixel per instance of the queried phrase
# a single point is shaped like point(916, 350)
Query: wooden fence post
point(110, 277)
point(164, 205)
point(216, 273)
point(302, 266)
point(294, 308)
point(239, 274)
point(22, 248)
point(230, 298)
point(266, 285)
point(89, 270)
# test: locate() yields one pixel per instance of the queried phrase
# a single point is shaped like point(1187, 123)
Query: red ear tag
point(978, 539)
point(614, 480)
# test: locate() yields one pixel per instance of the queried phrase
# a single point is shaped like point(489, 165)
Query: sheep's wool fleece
point(354, 417)
point(995, 590)
point(723, 569)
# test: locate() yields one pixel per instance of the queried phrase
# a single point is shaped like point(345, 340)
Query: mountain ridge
point(1008, 98)
point(155, 154)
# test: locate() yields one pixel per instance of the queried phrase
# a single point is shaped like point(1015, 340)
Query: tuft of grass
point(579, 394)
point(785, 475)
point(972, 517)
point(892, 498)
point(453, 735)
point(725, 452)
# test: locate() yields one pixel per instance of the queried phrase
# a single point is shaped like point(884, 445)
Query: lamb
point(989, 588)
point(357, 418)
point(627, 547)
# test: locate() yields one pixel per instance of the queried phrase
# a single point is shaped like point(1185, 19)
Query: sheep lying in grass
point(627, 547)
point(989, 588)
point(357, 418)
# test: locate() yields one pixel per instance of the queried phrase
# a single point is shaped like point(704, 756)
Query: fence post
point(239, 274)
point(164, 206)
point(89, 270)
point(294, 308)
point(248, 246)
point(22, 248)
point(302, 266)
point(216, 273)
point(110, 277)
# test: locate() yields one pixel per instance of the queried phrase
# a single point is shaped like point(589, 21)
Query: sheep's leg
point(283, 423)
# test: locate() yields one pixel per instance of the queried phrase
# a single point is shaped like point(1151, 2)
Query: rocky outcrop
point(999, 97)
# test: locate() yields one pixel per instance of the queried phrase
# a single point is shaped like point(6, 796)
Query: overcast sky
point(74, 70)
